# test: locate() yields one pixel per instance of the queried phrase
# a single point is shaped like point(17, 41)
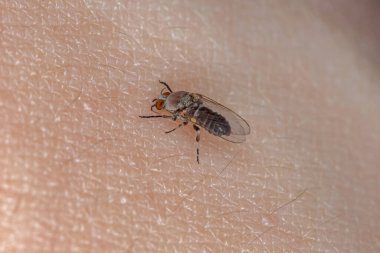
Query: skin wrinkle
point(98, 179)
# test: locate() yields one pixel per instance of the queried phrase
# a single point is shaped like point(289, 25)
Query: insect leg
point(197, 138)
point(182, 124)
point(156, 116)
point(166, 85)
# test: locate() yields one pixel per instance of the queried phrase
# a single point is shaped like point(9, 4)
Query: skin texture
point(80, 172)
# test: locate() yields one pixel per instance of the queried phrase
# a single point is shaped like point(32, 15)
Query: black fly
point(201, 111)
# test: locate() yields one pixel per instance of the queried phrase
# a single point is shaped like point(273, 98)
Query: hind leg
point(197, 138)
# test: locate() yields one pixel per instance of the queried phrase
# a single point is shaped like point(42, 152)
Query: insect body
point(201, 111)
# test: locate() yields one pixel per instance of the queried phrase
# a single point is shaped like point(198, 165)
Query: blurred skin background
point(80, 172)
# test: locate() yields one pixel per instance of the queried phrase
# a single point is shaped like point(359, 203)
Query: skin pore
point(81, 172)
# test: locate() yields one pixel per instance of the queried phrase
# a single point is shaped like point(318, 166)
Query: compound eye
point(159, 104)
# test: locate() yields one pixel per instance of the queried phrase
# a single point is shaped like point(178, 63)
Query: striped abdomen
point(212, 121)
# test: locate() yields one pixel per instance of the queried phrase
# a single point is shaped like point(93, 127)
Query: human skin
point(81, 172)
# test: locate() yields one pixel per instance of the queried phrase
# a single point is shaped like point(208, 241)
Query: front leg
point(155, 116)
point(174, 116)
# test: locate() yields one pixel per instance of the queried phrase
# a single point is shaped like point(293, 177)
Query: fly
point(200, 111)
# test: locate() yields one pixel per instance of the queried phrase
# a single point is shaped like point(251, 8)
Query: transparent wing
point(239, 127)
